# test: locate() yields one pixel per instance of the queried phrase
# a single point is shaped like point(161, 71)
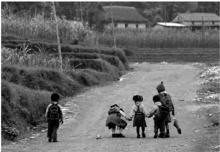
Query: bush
point(41, 79)
point(113, 60)
point(95, 64)
point(21, 107)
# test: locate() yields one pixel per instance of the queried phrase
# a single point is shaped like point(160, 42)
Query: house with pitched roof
point(198, 20)
point(124, 17)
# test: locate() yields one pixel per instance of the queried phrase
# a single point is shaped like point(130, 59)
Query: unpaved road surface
point(79, 134)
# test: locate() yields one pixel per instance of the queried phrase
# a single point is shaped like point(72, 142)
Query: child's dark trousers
point(159, 125)
point(53, 126)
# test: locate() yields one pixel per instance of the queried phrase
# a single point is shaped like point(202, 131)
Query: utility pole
point(113, 29)
point(58, 37)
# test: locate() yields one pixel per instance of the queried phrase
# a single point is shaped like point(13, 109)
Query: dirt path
point(79, 134)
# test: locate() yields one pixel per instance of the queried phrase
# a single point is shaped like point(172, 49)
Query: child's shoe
point(161, 135)
point(155, 135)
point(179, 131)
point(49, 139)
point(167, 135)
point(113, 135)
point(138, 136)
point(143, 135)
point(121, 135)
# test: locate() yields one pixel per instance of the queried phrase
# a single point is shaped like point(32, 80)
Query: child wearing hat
point(54, 117)
point(165, 99)
point(114, 120)
point(138, 114)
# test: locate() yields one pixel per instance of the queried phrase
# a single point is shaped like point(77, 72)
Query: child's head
point(161, 87)
point(156, 98)
point(137, 99)
point(55, 97)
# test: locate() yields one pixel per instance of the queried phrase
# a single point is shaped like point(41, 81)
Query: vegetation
point(30, 73)
point(204, 55)
point(162, 39)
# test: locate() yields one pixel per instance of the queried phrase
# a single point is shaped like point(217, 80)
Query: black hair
point(137, 98)
point(114, 105)
point(55, 97)
point(156, 98)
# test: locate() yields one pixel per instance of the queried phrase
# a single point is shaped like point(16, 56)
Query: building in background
point(198, 21)
point(124, 17)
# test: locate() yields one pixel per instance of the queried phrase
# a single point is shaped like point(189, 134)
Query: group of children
point(162, 110)
point(163, 106)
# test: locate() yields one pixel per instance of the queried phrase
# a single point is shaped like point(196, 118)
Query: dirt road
point(79, 135)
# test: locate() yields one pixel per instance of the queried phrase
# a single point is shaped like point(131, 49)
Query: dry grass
point(39, 28)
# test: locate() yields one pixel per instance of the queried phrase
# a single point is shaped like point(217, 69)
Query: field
point(179, 55)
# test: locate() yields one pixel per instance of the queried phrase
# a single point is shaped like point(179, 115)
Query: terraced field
point(178, 55)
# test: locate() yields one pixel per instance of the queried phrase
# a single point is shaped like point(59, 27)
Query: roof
point(196, 17)
point(123, 14)
point(170, 24)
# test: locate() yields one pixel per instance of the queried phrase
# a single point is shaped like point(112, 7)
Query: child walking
point(114, 120)
point(165, 100)
point(54, 117)
point(138, 114)
point(160, 113)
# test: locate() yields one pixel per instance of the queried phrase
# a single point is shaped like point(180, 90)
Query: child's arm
point(46, 113)
point(132, 113)
point(61, 114)
point(152, 112)
point(124, 114)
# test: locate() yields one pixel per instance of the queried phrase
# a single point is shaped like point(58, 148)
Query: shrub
point(41, 79)
point(95, 64)
point(113, 60)
point(21, 107)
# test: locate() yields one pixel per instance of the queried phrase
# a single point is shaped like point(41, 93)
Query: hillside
point(29, 76)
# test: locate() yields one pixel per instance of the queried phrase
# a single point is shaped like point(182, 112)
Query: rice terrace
point(98, 76)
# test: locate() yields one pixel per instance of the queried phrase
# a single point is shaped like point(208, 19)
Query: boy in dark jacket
point(54, 117)
point(165, 99)
point(160, 113)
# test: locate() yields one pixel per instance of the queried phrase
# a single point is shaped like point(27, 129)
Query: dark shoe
point(161, 135)
point(49, 140)
point(138, 136)
point(143, 135)
point(55, 141)
point(121, 135)
point(179, 131)
point(167, 135)
point(155, 135)
point(113, 135)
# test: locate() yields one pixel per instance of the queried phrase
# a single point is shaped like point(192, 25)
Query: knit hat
point(160, 87)
point(55, 97)
point(137, 98)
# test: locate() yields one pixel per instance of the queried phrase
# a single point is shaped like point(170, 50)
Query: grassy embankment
point(30, 69)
